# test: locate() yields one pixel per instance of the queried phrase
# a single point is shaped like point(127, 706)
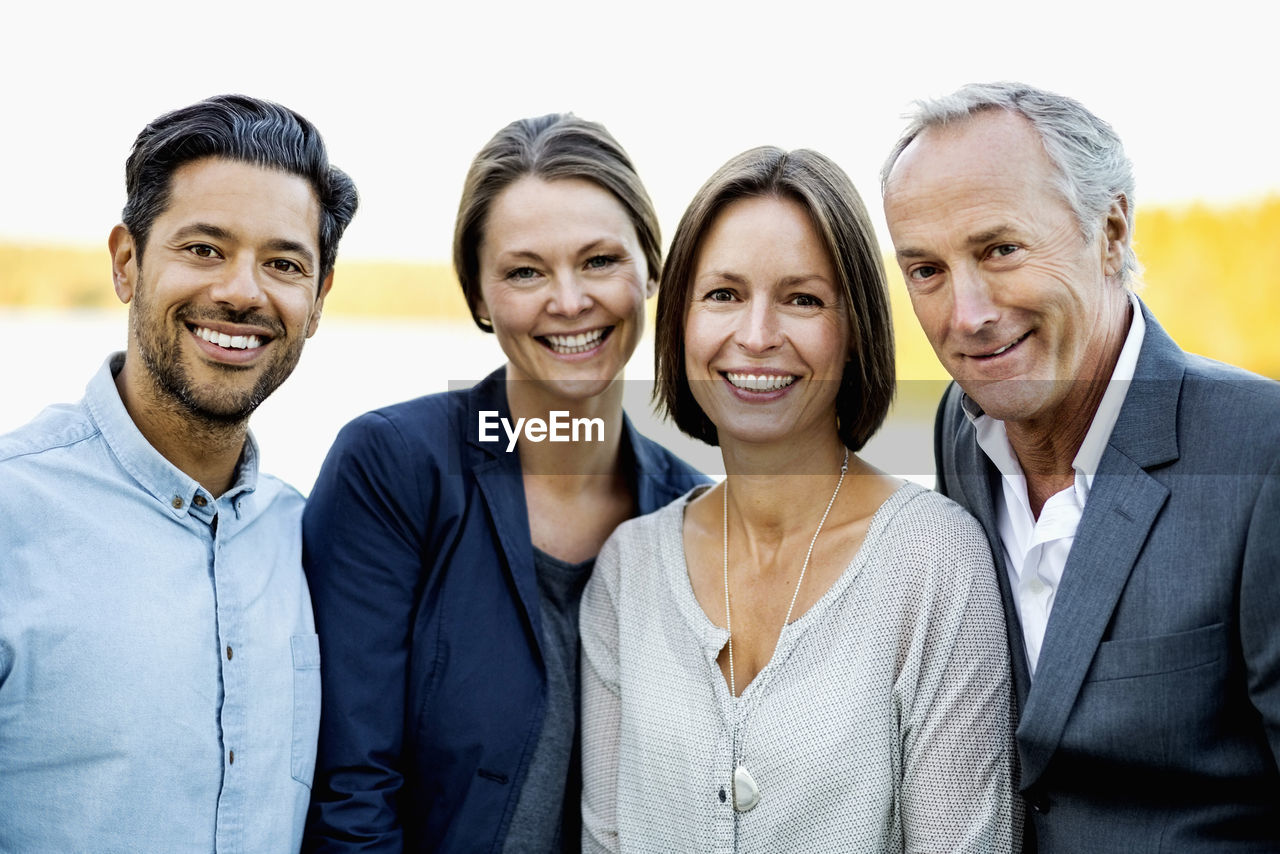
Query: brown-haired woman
point(811, 655)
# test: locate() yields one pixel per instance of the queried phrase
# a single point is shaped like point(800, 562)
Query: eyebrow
point(786, 281)
point(217, 232)
point(981, 238)
point(609, 243)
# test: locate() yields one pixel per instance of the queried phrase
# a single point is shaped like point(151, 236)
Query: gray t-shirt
point(547, 816)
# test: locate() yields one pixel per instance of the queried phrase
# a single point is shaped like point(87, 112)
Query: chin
point(577, 388)
point(1015, 399)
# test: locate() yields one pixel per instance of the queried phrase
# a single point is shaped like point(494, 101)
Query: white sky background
point(405, 95)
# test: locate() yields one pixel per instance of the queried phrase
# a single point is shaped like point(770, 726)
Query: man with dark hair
point(1131, 491)
point(159, 669)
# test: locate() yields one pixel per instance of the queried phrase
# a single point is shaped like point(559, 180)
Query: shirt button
point(199, 501)
point(1036, 586)
point(177, 503)
point(231, 757)
point(228, 652)
point(722, 795)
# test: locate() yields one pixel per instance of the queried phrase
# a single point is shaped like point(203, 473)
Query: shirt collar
point(162, 479)
point(994, 440)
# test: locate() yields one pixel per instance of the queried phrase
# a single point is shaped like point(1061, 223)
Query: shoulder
point(1228, 418)
point(650, 540)
point(395, 458)
point(414, 431)
point(37, 458)
point(934, 538)
point(1226, 386)
point(59, 426)
point(663, 476)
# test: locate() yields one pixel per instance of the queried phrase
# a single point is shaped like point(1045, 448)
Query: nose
point(569, 297)
point(239, 285)
point(760, 329)
point(971, 304)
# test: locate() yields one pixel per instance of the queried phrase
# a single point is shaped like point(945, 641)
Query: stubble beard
point(218, 403)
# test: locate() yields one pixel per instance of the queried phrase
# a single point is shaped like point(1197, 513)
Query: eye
point(601, 262)
point(807, 301)
point(523, 274)
point(1004, 250)
point(284, 265)
point(921, 273)
point(720, 295)
point(203, 250)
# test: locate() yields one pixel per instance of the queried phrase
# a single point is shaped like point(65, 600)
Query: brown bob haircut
point(550, 147)
point(826, 193)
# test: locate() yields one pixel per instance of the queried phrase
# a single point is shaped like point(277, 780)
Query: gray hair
point(1093, 170)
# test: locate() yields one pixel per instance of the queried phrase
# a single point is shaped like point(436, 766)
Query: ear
point(314, 323)
point(124, 262)
point(650, 287)
point(1116, 231)
point(481, 310)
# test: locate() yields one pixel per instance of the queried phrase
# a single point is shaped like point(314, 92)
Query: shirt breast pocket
point(306, 706)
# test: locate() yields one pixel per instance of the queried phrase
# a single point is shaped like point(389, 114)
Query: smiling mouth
point(569, 345)
point(229, 342)
point(1006, 348)
point(758, 382)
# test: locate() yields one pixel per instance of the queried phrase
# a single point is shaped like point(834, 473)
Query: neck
point(1047, 446)
point(205, 451)
point(774, 490)
point(599, 423)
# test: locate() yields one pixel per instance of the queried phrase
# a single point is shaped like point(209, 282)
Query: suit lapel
point(972, 483)
point(1123, 505)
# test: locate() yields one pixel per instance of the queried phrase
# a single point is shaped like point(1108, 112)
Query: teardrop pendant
point(746, 794)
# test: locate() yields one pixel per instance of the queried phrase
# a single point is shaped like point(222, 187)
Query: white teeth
point(1006, 346)
point(760, 382)
point(580, 343)
point(231, 342)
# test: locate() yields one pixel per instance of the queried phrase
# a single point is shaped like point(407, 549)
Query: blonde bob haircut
point(820, 187)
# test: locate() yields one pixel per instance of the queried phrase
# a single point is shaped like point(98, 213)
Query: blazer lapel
point(501, 483)
point(1123, 505)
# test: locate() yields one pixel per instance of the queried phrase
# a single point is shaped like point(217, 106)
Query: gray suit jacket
point(1153, 724)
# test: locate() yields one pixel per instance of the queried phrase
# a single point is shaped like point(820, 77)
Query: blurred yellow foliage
point(1212, 278)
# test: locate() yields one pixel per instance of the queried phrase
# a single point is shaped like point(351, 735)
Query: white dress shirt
point(1036, 549)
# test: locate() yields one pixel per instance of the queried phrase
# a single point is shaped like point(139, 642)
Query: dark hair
point(236, 127)
point(558, 145)
point(826, 193)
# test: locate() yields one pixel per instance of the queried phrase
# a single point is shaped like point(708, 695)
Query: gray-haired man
point(1131, 491)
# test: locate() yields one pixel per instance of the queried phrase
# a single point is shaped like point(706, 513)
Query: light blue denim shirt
point(159, 669)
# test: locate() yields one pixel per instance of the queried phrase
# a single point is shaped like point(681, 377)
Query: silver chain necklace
point(746, 794)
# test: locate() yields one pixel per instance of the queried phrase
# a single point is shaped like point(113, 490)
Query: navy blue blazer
point(1153, 723)
point(418, 553)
